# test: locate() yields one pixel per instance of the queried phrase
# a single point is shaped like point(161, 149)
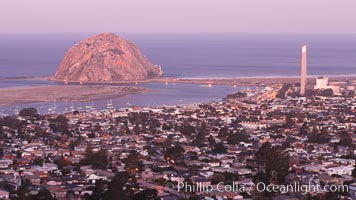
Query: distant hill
point(106, 57)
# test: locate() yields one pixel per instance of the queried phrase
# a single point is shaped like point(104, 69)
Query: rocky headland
point(106, 57)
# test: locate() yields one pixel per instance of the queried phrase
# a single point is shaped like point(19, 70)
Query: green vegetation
point(98, 160)
point(275, 161)
point(28, 112)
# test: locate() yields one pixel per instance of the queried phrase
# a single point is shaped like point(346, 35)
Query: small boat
point(53, 108)
point(109, 105)
point(72, 108)
point(16, 111)
point(128, 102)
point(80, 107)
point(90, 106)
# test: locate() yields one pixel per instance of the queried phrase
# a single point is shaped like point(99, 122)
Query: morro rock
point(106, 57)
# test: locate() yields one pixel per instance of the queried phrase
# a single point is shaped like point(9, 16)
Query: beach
point(252, 81)
point(63, 93)
point(238, 81)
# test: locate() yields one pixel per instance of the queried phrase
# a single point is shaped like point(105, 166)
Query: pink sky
point(297, 16)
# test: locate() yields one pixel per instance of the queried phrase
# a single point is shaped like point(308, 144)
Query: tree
point(120, 187)
point(327, 93)
point(262, 153)
point(217, 178)
point(38, 161)
point(166, 127)
point(354, 172)
point(230, 178)
point(62, 162)
point(237, 138)
point(187, 129)
point(219, 148)
point(44, 194)
point(174, 153)
point(278, 163)
point(223, 133)
point(201, 135)
point(91, 134)
point(282, 92)
point(345, 139)
point(98, 160)
point(1, 152)
point(88, 156)
point(99, 189)
point(321, 137)
point(236, 95)
point(11, 122)
point(211, 140)
point(18, 154)
point(2, 133)
point(304, 129)
point(59, 124)
point(194, 197)
point(73, 144)
point(275, 161)
point(289, 121)
point(148, 194)
point(260, 177)
point(331, 195)
point(154, 124)
point(28, 112)
point(133, 163)
point(22, 192)
point(136, 129)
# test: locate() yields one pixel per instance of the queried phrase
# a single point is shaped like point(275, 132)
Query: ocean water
point(194, 55)
point(185, 55)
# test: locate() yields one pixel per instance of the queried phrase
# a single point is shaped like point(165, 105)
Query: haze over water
point(194, 55)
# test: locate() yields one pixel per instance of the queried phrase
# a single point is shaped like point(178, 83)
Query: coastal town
point(231, 149)
point(177, 100)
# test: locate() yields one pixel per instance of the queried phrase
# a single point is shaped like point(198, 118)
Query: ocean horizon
point(193, 55)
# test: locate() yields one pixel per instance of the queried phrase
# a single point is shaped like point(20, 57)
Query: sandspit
point(63, 93)
point(239, 81)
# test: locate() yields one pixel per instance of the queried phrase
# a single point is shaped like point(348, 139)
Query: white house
point(341, 170)
point(4, 194)
point(5, 163)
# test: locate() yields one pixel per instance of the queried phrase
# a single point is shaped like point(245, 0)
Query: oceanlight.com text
point(201, 187)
